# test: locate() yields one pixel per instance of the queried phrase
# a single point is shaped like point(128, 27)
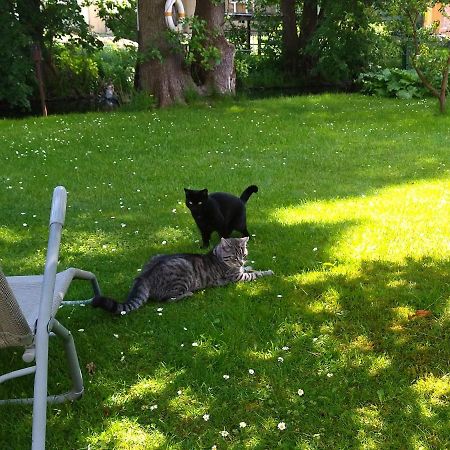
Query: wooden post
point(37, 57)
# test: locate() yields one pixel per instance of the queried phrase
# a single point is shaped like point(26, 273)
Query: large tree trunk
point(308, 27)
point(290, 36)
point(222, 77)
point(162, 72)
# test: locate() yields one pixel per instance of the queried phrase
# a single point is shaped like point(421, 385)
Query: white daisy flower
point(205, 417)
point(281, 426)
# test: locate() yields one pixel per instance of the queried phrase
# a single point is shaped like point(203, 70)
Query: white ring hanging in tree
point(168, 14)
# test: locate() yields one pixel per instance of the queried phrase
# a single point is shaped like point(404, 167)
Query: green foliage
point(392, 83)
point(63, 19)
point(44, 22)
point(77, 72)
point(197, 47)
point(433, 55)
point(344, 41)
point(119, 16)
point(16, 65)
point(139, 101)
point(117, 65)
point(81, 72)
point(253, 71)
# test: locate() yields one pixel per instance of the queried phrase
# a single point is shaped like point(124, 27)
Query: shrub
point(16, 65)
point(398, 83)
point(84, 73)
point(76, 72)
point(116, 65)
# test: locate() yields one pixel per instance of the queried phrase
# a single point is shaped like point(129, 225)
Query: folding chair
point(28, 305)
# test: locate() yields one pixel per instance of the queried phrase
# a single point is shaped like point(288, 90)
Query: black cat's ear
point(204, 191)
point(186, 190)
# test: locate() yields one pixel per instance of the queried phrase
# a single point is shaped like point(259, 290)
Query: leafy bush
point(398, 83)
point(84, 73)
point(16, 65)
point(116, 65)
point(76, 72)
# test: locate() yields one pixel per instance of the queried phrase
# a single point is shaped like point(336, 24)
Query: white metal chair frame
point(46, 326)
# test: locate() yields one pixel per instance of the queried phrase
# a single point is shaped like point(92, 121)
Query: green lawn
point(352, 215)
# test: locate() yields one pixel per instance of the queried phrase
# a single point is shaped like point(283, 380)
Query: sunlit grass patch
point(146, 389)
point(433, 392)
point(127, 434)
point(390, 225)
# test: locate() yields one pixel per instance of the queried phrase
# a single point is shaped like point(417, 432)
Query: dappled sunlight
point(8, 236)
point(127, 434)
point(433, 391)
point(98, 243)
point(378, 364)
point(187, 406)
point(146, 388)
point(370, 423)
point(169, 234)
point(393, 224)
point(327, 302)
point(266, 355)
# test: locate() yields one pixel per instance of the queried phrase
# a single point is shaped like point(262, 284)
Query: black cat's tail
point(249, 191)
point(136, 298)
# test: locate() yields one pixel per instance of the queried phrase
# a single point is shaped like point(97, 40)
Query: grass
point(352, 216)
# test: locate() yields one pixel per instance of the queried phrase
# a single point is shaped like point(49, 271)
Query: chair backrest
point(14, 329)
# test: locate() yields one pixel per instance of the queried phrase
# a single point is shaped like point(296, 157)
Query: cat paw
point(248, 269)
point(268, 272)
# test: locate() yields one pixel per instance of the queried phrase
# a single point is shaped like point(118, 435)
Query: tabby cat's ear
point(224, 242)
point(245, 239)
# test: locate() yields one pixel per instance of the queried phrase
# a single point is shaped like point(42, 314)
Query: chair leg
point(72, 361)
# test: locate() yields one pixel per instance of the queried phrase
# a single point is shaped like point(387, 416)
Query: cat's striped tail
point(136, 298)
point(249, 191)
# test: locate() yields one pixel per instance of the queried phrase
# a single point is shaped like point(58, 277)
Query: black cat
point(220, 211)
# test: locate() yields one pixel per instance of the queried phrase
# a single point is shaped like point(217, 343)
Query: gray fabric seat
point(27, 290)
point(28, 309)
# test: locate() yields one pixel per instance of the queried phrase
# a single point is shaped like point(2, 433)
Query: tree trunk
point(222, 77)
point(308, 27)
point(444, 84)
point(162, 72)
point(290, 36)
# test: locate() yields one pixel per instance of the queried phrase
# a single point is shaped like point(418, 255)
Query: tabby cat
point(173, 277)
point(219, 211)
